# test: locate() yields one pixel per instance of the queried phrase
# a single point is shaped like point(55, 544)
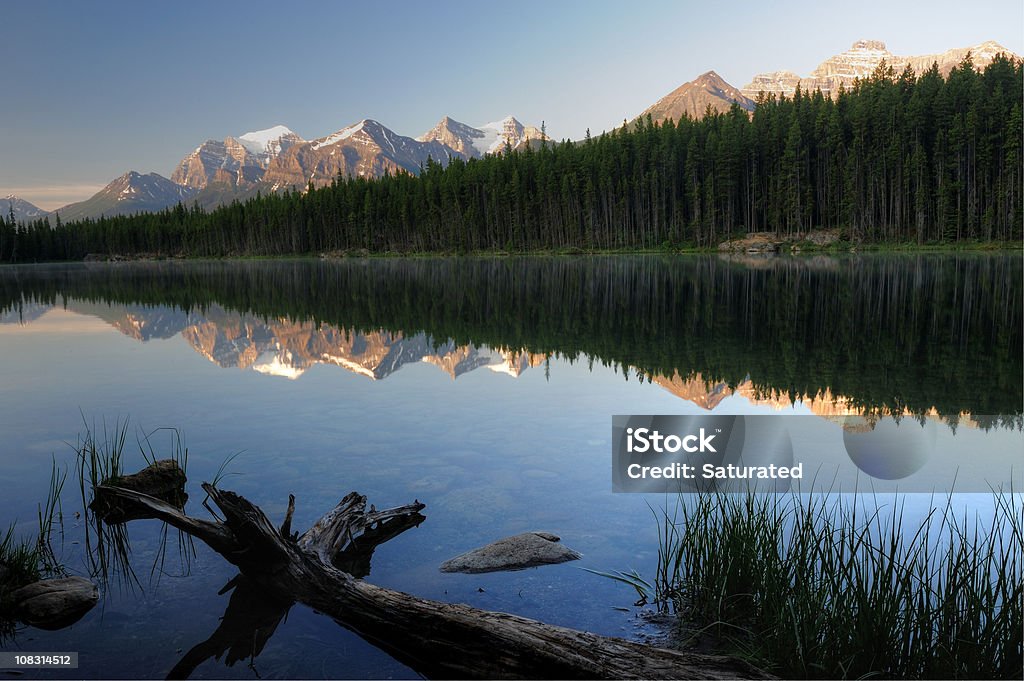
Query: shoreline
point(787, 249)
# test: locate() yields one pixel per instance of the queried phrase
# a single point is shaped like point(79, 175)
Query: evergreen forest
point(896, 159)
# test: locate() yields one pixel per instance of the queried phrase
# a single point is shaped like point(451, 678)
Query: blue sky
point(91, 90)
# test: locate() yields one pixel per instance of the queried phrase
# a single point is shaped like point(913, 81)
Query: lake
point(483, 387)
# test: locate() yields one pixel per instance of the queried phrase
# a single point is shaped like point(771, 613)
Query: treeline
point(897, 158)
point(887, 333)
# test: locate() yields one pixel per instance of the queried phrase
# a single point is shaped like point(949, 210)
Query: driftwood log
point(320, 568)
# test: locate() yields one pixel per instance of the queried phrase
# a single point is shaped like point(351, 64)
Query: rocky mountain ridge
point(860, 61)
point(131, 193)
point(220, 171)
point(22, 210)
point(490, 138)
point(235, 162)
point(692, 99)
point(365, 149)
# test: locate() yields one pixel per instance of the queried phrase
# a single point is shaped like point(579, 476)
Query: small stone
point(518, 552)
point(55, 603)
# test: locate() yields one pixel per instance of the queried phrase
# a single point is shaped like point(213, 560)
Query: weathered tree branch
point(437, 639)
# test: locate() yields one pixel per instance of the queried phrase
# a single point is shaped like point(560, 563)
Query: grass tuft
point(23, 561)
point(100, 456)
point(820, 587)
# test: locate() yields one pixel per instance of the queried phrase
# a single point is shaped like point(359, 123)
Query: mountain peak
point(130, 193)
point(455, 135)
point(709, 76)
point(508, 131)
point(343, 134)
point(869, 46)
point(22, 209)
point(506, 122)
point(129, 179)
point(267, 141)
point(693, 98)
point(861, 60)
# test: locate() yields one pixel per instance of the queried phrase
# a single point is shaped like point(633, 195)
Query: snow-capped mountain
point(23, 210)
point(364, 149)
point(218, 172)
point(130, 193)
point(861, 60)
point(460, 137)
point(489, 138)
point(235, 162)
point(693, 99)
point(506, 132)
point(269, 143)
point(286, 348)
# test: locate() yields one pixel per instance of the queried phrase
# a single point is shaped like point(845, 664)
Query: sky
point(90, 90)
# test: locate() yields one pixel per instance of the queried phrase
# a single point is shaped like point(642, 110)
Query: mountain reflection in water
point(936, 334)
point(491, 455)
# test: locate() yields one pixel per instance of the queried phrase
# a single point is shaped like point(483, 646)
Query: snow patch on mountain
point(339, 136)
point(263, 141)
point(22, 209)
point(496, 133)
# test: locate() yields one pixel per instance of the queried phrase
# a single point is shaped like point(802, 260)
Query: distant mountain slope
point(237, 168)
point(693, 98)
point(860, 61)
point(23, 210)
point(490, 138)
point(130, 193)
point(364, 149)
point(234, 162)
point(459, 137)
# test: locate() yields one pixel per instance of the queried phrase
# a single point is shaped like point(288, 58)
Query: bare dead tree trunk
point(437, 639)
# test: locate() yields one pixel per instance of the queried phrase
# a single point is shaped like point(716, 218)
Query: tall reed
point(101, 460)
point(813, 586)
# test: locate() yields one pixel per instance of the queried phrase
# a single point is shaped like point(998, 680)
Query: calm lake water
point(482, 387)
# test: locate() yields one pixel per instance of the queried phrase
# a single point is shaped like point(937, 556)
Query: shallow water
point(484, 388)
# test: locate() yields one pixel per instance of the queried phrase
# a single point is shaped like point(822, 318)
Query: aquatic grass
point(99, 460)
point(51, 515)
point(26, 560)
point(813, 586)
point(177, 452)
point(222, 472)
point(19, 565)
point(100, 457)
point(19, 561)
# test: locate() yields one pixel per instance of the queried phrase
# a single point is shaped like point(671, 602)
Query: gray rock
point(162, 479)
point(518, 552)
point(55, 603)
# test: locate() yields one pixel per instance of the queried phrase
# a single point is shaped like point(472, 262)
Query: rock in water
point(162, 479)
point(55, 603)
point(518, 552)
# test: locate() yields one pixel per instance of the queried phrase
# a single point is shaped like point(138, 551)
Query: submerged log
point(437, 639)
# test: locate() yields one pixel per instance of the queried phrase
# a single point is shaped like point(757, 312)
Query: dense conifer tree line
point(897, 158)
point(887, 332)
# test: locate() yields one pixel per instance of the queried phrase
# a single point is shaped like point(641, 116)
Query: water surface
point(482, 387)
